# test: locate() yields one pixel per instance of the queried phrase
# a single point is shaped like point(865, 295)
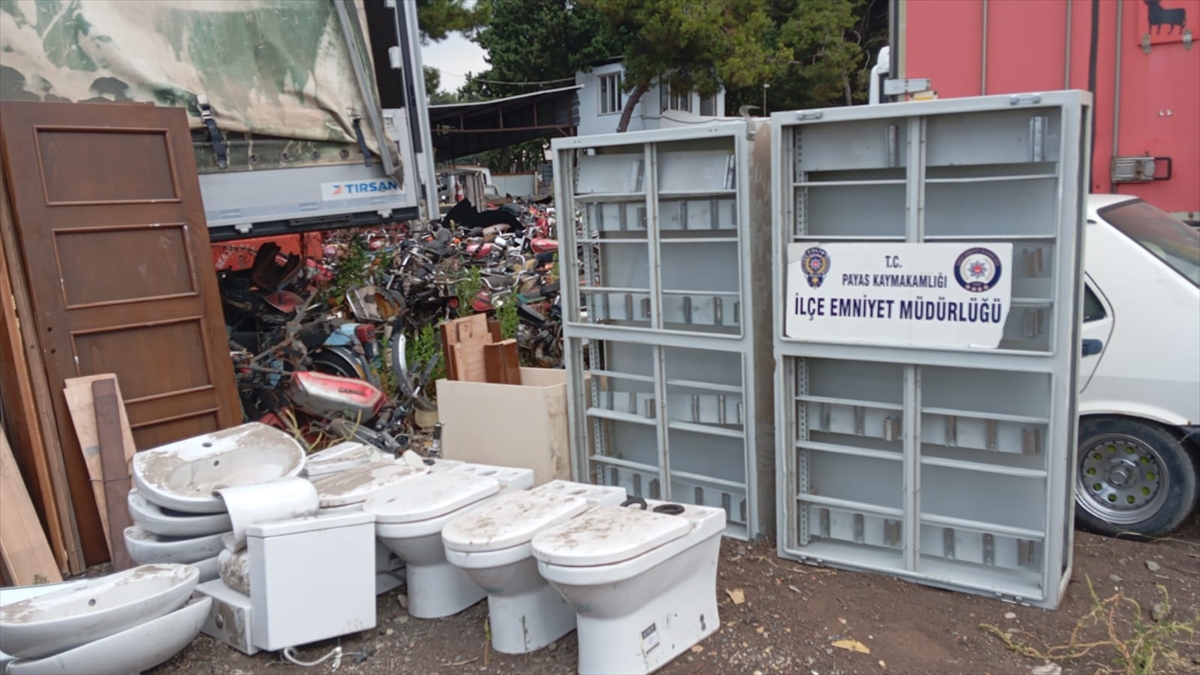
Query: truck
point(1137, 57)
point(305, 116)
point(1139, 384)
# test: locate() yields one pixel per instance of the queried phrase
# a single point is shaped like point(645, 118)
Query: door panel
point(1097, 325)
point(112, 232)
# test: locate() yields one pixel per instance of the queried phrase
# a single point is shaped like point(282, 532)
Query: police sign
point(903, 294)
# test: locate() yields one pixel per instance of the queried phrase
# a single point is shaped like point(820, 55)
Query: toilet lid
point(354, 485)
point(511, 520)
point(430, 496)
point(607, 535)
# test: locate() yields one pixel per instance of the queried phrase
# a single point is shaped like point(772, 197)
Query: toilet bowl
point(492, 546)
point(97, 608)
point(642, 580)
point(157, 520)
point(409, 519)
point(184, 476)
point(354, 486)
point(146, 548)
point(341, 457)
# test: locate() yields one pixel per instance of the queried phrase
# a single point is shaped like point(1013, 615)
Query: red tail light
point(364, 332)
point(452, 303)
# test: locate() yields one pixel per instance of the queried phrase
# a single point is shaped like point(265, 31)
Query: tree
point(433, 81)
point(538, 44)
point(831, 44)
point(439, 18)
point(694, 45)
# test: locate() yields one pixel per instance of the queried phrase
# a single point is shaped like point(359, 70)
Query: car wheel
point(1134, 478)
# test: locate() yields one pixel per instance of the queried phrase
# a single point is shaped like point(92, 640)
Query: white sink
point(93, 609)
point(146, 548)
point(156, 520)
point(184, 476)
point(130, 651)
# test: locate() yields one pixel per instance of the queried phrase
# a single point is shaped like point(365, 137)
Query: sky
point(454, 57)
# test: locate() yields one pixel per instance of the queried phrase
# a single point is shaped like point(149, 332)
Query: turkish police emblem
point(977, 269)
point(816, 265)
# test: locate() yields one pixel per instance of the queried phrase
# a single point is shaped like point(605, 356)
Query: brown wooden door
point(116, 251)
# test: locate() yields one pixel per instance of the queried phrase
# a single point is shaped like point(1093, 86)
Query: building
point(601, 100)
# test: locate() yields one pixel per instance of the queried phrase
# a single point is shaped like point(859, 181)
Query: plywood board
point(464, 340)
point(50, 468)
point(78, 391)
point(502, 362)
point(24, 552)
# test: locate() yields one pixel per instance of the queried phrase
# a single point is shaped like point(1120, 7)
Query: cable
point(335, 654)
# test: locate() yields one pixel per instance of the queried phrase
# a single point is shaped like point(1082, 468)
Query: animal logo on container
point(977, 269)
point(1175, 17)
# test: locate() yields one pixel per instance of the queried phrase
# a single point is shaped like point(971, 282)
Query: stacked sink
point(125, 622)
point(178, 514)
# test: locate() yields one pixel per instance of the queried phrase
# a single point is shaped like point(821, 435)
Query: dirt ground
point(791, 615)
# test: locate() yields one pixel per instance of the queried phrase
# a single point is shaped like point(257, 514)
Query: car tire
point(1121, 464)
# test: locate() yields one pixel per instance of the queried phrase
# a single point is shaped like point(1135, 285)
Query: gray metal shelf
point(949, 466)
point(667, 353)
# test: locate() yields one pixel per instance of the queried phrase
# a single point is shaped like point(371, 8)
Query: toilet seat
point(356, 485)
point(425, 503)
point(513, 519)
point(609, 535)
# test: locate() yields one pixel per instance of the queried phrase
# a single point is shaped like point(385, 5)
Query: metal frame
point(893, 475)
point(594, 430)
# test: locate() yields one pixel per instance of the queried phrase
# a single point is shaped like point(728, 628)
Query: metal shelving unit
point(946, 466)
point(667, 352)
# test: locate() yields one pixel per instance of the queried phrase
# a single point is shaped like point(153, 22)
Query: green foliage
point(439, 18)
point(422, 346)
point(542, 41)
point(433, 81)
point(509, 319)
point(693, 45)
point(354, 268)
point(832, 44)
point(467, 288)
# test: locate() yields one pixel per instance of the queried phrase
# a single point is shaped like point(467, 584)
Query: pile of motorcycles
point(319, 345)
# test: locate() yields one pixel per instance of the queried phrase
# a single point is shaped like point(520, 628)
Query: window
point(708, 106)
point(1166, 238)
point(1093, 309)
point(672, 99)
point(611, 98)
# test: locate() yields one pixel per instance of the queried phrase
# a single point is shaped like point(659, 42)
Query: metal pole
point(983, 53)
point(1067, 49)
point(1117, 89)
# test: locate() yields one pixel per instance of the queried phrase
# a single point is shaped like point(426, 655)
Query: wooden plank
point(114, 459)
point(464, 341)
point(24, 552)
point(78, 391)
point(494, 329)
point(64, 533)
point(502, 362)
point(448, 350)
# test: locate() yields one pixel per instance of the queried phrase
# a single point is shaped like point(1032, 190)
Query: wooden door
point(112, 232)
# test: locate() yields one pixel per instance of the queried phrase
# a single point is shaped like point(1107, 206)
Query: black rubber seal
point(635, 501)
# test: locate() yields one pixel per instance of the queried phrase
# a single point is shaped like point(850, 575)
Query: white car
point(1139, 378)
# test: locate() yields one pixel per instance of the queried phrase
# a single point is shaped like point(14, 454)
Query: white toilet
point(641, 578)
point(409, 520)
point(492, 546)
